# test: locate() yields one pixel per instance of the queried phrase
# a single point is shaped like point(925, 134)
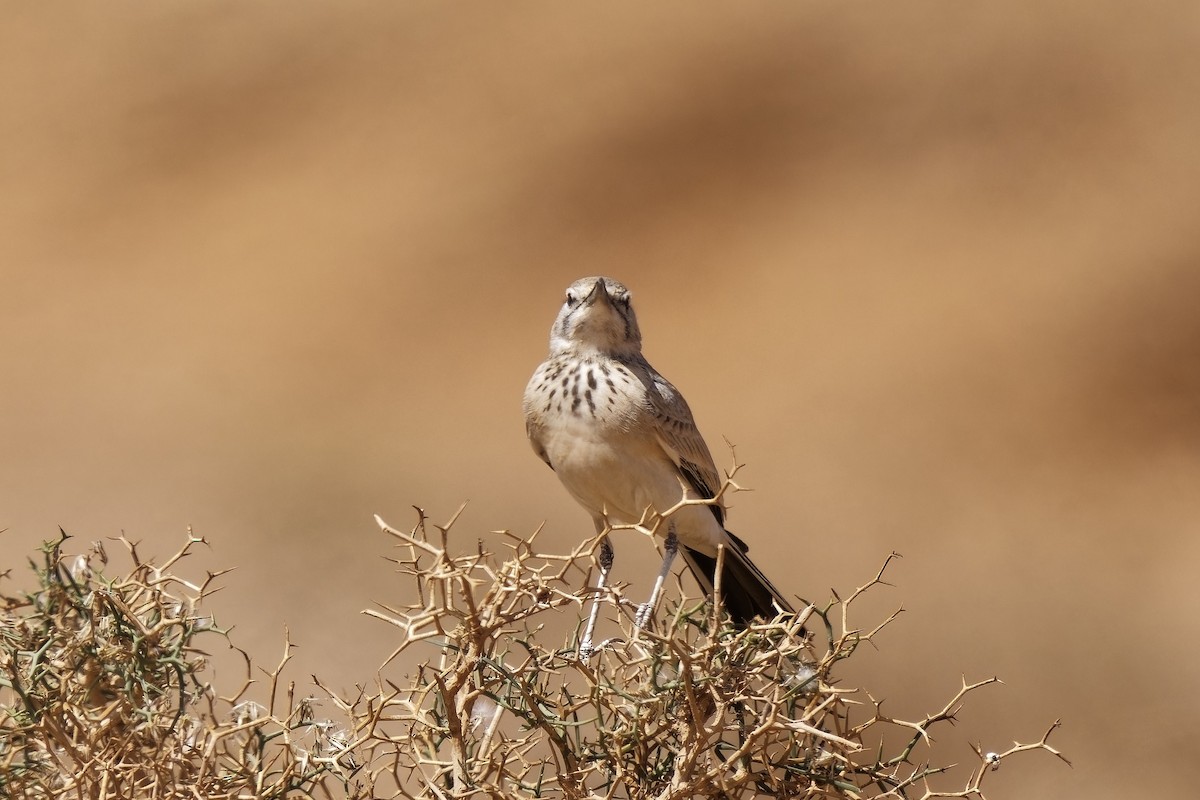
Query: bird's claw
point(644, 615)
point(587, 649)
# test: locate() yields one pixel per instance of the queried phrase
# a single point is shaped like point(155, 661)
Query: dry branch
point(104, 693)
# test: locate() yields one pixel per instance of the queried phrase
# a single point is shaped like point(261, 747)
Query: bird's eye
point(622, 299)
point(571, 299)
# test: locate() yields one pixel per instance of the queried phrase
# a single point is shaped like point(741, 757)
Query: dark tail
point(745, 591)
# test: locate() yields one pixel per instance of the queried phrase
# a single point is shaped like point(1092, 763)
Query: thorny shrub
point(104, 694)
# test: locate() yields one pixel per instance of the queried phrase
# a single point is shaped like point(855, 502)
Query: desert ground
point(934, 267)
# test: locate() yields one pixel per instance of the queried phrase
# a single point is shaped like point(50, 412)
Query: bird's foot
point(587, 649)
point(644, 615)
point(646, 610)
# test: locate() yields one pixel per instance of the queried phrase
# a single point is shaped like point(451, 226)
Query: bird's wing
point(531, 430)
point(536, 443)
point(678, 435)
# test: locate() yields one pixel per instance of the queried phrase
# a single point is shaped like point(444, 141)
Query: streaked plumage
point(622, 439)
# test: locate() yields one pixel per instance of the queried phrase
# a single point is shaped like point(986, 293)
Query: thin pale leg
point(670, 548)
point(606, 561)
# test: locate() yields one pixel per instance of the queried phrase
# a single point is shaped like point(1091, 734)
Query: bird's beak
point(599, 293)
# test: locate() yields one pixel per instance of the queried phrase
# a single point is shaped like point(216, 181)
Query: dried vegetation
point(104, 693)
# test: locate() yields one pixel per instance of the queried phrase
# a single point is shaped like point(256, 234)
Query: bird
point(623, 442)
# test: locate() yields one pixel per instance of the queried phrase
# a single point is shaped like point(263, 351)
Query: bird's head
point(596, 316)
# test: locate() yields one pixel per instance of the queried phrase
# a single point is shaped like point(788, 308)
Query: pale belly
point(627, 477)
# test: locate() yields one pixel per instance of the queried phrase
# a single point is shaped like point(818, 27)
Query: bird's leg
point(670, 548)
point(606, 561)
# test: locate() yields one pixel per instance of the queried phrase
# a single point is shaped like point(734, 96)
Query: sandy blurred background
point(267, 269)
